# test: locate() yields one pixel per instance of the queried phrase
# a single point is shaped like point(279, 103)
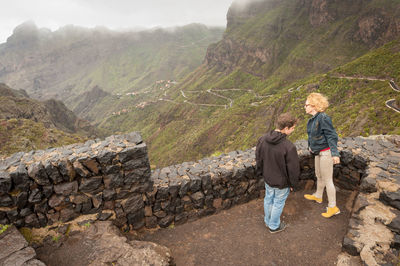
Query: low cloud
point(242, 4)
point(115, 15)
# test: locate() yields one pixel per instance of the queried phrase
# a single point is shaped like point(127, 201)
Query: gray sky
point(113, 14)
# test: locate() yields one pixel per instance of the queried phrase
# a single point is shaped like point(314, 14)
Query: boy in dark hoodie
point(277, 161)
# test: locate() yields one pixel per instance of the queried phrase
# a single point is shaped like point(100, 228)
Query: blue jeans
point(274, 202)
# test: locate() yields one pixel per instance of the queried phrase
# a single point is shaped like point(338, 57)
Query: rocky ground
point(102, 244)
point(14, 249)
point(233, 237)
point(238, 236)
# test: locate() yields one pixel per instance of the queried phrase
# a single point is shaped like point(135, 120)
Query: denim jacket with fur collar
point(322, 134)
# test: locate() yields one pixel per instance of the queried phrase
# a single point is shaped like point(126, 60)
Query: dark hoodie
point(277, 160)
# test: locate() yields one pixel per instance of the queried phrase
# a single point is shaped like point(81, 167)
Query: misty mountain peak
point(27, 26)
point(26, 34)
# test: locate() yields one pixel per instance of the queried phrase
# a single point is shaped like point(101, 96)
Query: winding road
point(389, 103)
point(298, 88)
point(230, 100)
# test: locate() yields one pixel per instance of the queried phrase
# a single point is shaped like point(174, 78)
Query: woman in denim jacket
point(322, 142)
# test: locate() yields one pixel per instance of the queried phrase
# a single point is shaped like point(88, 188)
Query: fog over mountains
point(73, 59)
point(120, 15)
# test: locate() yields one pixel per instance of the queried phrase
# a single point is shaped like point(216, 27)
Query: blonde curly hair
point(319, 101)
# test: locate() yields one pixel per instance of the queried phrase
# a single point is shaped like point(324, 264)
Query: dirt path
point(238, 236)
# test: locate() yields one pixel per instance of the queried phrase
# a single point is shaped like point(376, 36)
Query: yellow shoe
point(312, 197)
point(330, 212)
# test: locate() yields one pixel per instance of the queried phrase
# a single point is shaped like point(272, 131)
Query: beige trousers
point(324, 173)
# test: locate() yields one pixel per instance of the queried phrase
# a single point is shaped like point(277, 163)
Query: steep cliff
point(293, 38)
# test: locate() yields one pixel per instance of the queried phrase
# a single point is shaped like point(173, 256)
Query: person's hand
point(291, 189)
point(336, 160)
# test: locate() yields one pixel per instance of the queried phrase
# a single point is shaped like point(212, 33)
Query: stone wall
point(374, 226)
point(106, 177)
point(112, 178)
point(193, 189)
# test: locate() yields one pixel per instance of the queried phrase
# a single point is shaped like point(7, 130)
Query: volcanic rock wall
point(104, 177)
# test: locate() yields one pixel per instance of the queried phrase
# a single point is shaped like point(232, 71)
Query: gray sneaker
point(281, 227)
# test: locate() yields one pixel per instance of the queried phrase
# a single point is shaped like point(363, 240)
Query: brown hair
point(319, 101)
point(285, 120)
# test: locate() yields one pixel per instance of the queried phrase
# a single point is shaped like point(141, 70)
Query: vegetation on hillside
point(271, 57)
point(180, 131)
point(27, 124)
point(24, 135)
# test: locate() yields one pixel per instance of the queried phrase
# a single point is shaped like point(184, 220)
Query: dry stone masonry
point(106, 177)
point(193, 189)
point(112, 178)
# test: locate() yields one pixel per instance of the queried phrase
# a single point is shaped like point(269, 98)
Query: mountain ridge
point(71, 60)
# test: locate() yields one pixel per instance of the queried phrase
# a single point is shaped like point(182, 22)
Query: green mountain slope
point(272, 55)
point(24, 135)
point(27, 124)
point(290, 39)
point(178, 132)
